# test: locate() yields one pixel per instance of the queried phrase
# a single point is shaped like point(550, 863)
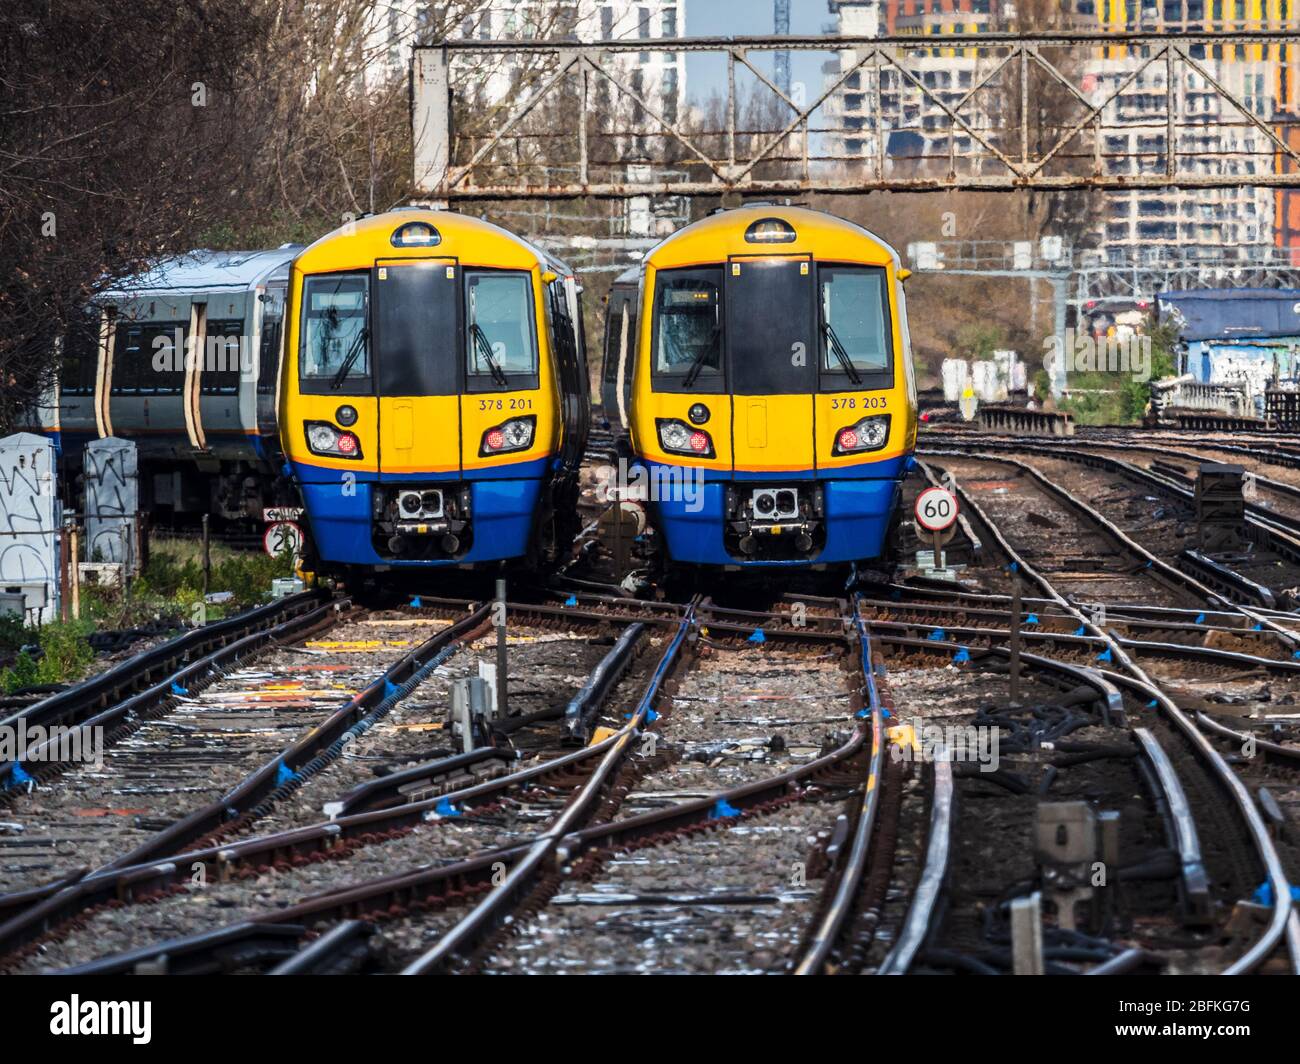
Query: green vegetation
point(1118, 398)
point(65, 655)
point(171, 584)
point(171, 587)
point(979, 340)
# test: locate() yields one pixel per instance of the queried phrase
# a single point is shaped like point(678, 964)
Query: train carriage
point(774, 369)
point(181, 360)
point(434, 397)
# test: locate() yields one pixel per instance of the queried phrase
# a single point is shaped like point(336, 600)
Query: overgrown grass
point(171, 587)
point(172, 584)
point(65, 656)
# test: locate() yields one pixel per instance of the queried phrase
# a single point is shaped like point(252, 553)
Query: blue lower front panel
point(503, 508)
point(859, 505)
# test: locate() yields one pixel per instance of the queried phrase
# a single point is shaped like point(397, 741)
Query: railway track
point(745, 795)
point(778, 834)
point(1214, 777)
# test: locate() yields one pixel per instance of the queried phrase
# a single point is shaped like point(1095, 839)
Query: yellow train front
point(773, 401)
point(434, 402)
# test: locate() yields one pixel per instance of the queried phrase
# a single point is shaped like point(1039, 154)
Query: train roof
point(630, 276)
point(1236, 313)
point(474, 241)
point(205, 271)
point(817, 233)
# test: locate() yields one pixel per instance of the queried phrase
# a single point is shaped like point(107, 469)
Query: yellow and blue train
point(434, 402)
point(773, 372)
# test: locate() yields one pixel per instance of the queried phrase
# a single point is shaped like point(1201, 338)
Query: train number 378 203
point(867, 402)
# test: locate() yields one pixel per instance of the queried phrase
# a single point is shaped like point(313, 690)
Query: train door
point(772, 363)
point(269, 336)
point(574, 387)
point(616, 373)
point(417, 323)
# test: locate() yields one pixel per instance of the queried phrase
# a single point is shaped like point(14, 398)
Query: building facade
point(1213, 136)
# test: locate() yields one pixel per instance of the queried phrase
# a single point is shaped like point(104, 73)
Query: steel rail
point(1051, 621)
point(113, 695)
point(485, 915)
point(329, 954)
point(1177, 651)
point(1219, 768)
point(1193, 880)
point(224, 949)
point(934, 876)
point(31, 912)
point(1160, 568)
point(834, 920)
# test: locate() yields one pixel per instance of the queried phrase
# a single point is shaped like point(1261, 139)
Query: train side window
point(80, 356)
point(222, 360)
point(500, 342)
point(149, 358)
point(269, 356)
point(613, 337)
point(856, 338)
point(688, 327)
point(335, 353)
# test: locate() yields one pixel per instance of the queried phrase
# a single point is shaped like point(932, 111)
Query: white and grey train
point(182, 360)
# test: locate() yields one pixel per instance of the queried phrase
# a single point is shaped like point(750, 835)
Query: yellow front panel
point(649, 405)
point(419, 434)
point(773, 432)
point(481, 412)
point(297, 408)
point(841, 410)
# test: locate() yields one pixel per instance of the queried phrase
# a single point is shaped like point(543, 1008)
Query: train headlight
point(677, 437)
point(869, 434)
point(324, 439)
point(513, 435)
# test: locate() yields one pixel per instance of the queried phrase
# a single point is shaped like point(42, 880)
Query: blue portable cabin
point(1234, 334)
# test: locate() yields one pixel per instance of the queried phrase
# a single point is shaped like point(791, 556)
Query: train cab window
point(222, 361)
point(149, 358)
point(856, 340)
point(335, 354)
point(688, 330)
point(500, 343)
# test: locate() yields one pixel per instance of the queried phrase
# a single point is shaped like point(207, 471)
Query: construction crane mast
point(781, 27)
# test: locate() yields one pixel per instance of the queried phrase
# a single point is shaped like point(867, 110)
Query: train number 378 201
point(505, 404)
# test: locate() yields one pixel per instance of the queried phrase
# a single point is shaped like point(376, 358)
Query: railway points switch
point(471, 712)
point(1068, 842)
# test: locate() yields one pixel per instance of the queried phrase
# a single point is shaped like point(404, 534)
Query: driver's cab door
point(417, 324)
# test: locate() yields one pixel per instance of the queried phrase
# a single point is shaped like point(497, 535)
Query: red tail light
point(699, 442)
point(495, 440)
point(848, 440)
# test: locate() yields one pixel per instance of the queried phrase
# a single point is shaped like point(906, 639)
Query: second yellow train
point(771, 401)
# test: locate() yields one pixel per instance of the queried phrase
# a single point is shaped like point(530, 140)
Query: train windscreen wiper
point(841, 355)
point(698, 364)
point(484, 348)
point(350, 360)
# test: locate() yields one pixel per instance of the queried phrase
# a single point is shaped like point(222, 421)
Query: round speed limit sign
point(936, 509)
point(283, 536)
